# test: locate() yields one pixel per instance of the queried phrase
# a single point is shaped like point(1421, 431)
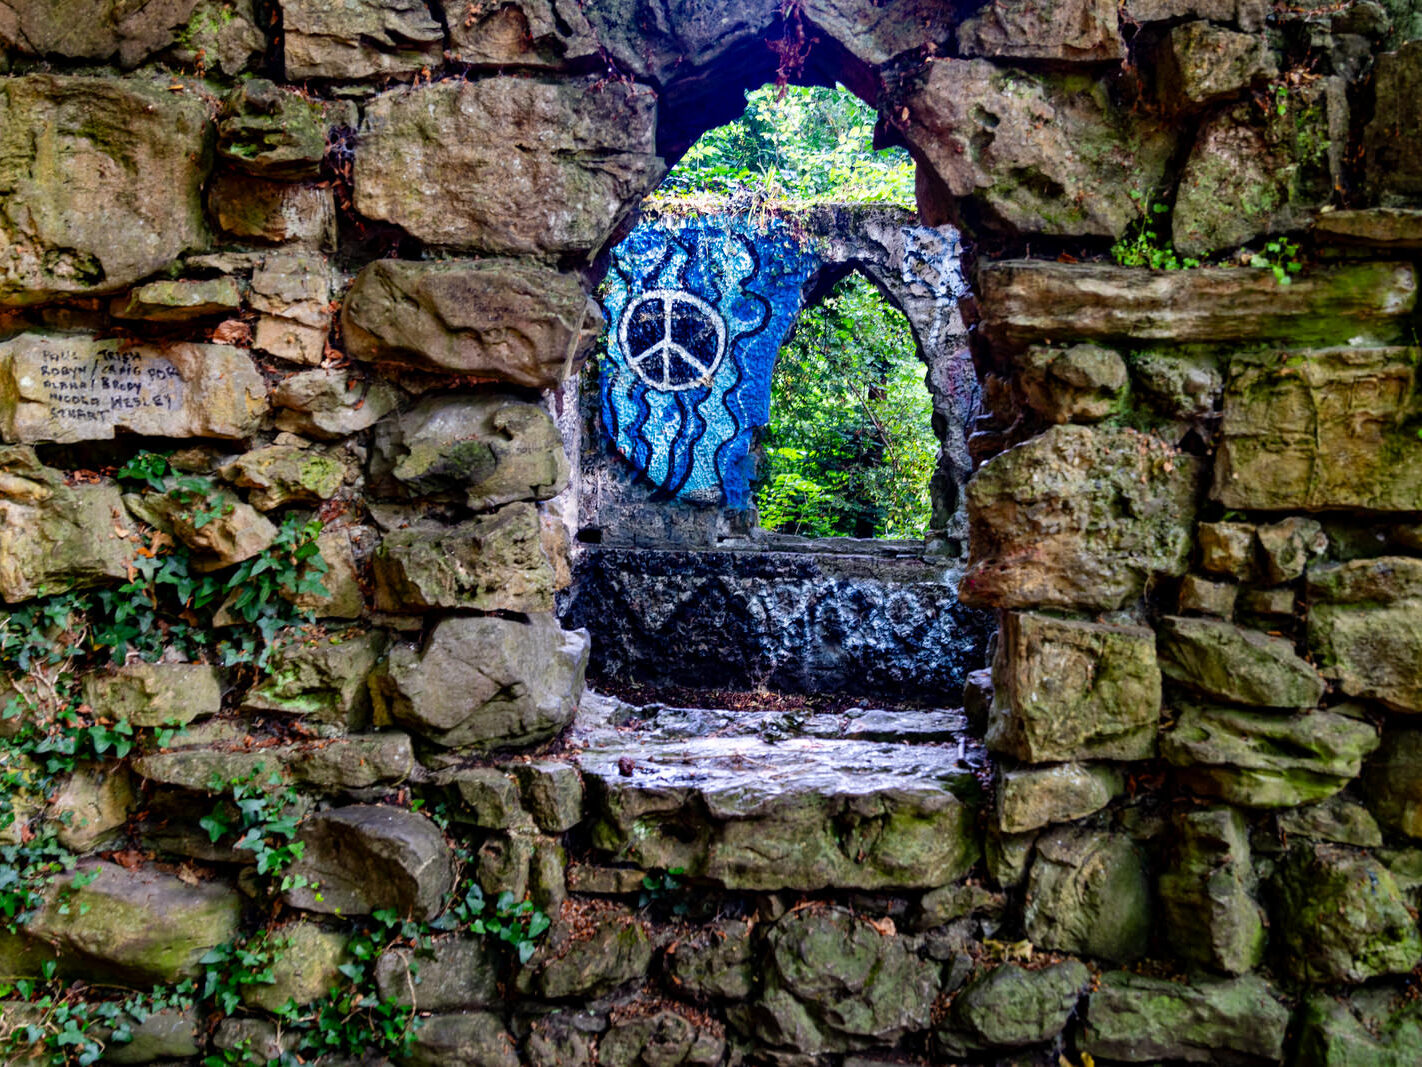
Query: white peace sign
point(668, 364)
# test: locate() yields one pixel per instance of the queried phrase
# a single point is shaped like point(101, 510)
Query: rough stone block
point(1264, 759)
point(56, 388)
point(457, 163)
point(1137, 1019)
point(552, 793)
point(507, 320)
point(495, 562)
point(1202, 63)
point(1207, 892)
point(155, 694)
point(1029, 798)
point(305, 966)
point(372, 856)
point(485, 449)
point(457, 973)
point(331, 403)
point(1339, 917)
point(270, 131)
point(1230, 663)
point(1320, 429)
point(985, 132)
point(1010, 1007)
point(1392, 160)
point(1083, 383)
point(1204, 597)
point(92, 29)
point(1370, 1025)
point(1089, 892)
point(619, 951)
point(1365, 628)
point(1079, 517)
point(1254, 171)
point(1248, 15)
point(718, 962)
point(1393, 782)
point(486, 682)
point(281, 474)
point(102, 179)
point(273, 212)
point(835, 982)
point(180, 300)
point(358, 38)
point(1079, 31)
point(54, 537)
point(668, 1034)
point(1066, 690)
point(322, 680)
point(472, 1037)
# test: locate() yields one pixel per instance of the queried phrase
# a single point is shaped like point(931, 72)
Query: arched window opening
point(849, 450)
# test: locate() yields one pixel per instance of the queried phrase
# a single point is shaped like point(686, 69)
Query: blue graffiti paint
point(697, 310)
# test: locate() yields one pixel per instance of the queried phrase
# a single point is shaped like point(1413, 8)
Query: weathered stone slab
point(836, 982)
point(358, 38)
point(92, 29)
point(1314, 430)
point(1381, 227)
point(1207, 892)
point(1254, 171)
point(1078, 31)
point(1067, 690)
point(1391, 159)
point(1079, 517)
point(1137, 1019)
point(717, 799)
point(54, 537)
point(1026, 301)
point(141, 926)
point(1237, 665)
point(281, 474)
point(305, 966)
point(221, 35)
point(1365, 627)
point(102, 182)
point(356, 761)
point(495, 562)
point(1339, 819)
point(500, 319)
point(1264, 759)
point(1339, 917)
point(486, 682)
point(181, 300)
point(1089, 892)
point(62, 389)
point(458, 163)
point(1036, 153)
point(372, 856)
point(487, 449)
point(527, 33)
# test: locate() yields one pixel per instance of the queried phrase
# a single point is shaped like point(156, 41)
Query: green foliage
point(262, 814)
point(517, 924)
point(26, 871)
point(1280, 256)
point(850, 448)
point(796, 143)
point(660, 889)
point(1149, 246)
point(167, 603)
point(59, 1029)
point(229, 969)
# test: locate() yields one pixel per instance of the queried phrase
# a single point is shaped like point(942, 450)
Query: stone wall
point(333, 264)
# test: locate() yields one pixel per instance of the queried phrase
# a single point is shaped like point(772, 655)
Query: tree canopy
point(798, 143)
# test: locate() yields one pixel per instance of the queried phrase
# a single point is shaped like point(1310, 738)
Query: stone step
point(867, 799)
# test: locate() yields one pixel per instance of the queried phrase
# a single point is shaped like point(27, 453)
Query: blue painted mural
point(697, 310)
